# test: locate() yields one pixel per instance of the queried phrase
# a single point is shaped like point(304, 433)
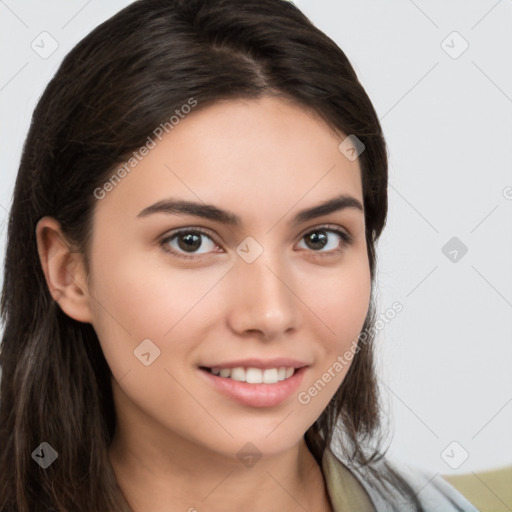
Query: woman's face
point(275, 289)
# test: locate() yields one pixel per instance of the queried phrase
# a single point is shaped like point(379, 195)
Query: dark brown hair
point(110, 93)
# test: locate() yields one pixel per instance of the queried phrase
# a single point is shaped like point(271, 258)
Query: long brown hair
point(111, 91)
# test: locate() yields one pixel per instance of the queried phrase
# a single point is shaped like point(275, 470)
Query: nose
point(264, 298)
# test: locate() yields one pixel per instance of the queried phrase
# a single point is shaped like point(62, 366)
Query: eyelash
point(345, 237)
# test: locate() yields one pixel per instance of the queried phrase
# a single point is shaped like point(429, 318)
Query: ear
point(63, 269)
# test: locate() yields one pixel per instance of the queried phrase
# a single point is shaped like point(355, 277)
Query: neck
point(192, 478)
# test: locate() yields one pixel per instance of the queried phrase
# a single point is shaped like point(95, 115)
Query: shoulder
point(395, 486)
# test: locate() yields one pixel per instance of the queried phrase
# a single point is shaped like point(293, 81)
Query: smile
point(254, 375)
point(254, 387)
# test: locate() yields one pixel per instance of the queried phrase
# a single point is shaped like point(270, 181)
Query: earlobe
point(63, 269)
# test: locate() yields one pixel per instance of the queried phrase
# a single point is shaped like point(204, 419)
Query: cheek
point(342, 305)
point(340, 300)
point(352, 299)
point(136, 297)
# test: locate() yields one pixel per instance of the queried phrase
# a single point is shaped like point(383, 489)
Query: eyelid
point(186, 229)
point(329, 227)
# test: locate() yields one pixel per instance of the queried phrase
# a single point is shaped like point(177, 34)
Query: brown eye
point(316, 240)
point(329, 239)
point(191, 241)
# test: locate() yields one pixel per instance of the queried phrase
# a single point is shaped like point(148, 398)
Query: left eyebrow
point(335, 204)
point(209, 211)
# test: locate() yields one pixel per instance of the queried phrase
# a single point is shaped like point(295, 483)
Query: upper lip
point(263, 364)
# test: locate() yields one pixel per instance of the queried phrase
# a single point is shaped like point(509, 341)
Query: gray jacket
point(434, 493)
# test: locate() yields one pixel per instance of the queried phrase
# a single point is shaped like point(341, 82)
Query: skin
point(177, 436)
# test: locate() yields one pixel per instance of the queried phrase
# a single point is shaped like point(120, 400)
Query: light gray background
point(445, 360)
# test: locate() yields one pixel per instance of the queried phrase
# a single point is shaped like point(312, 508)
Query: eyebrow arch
point(208, 211)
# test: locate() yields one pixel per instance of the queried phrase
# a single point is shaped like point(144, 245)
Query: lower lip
point(257, 395)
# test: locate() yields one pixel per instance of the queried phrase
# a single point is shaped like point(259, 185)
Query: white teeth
point(238, 373)
point(255, 375)
point(270, 376)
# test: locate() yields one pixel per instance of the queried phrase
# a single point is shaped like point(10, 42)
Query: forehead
point(245, 154)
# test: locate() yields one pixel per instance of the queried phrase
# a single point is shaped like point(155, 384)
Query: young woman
point(188, 281)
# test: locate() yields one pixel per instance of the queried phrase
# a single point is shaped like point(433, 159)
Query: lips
point(256, 382)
